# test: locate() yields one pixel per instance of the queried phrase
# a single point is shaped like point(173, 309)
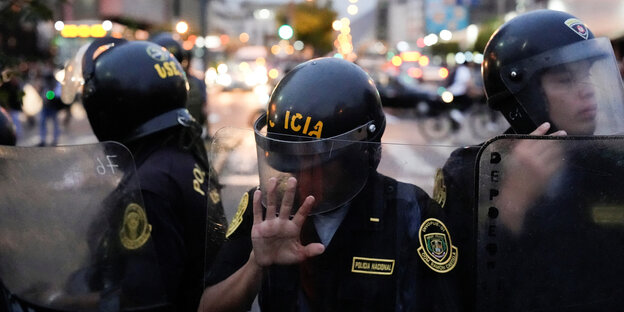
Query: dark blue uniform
point(180, 197)
point(371, 264)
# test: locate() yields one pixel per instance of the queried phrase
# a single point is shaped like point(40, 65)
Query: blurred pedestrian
point(52, 104)
point(11, 94)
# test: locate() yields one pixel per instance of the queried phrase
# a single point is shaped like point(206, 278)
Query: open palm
point(276, 239)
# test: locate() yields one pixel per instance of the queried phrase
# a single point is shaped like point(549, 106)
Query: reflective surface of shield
point(550, 224)
point(73, 230)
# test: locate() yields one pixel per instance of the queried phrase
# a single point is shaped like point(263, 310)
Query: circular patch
point(158, 54)
point(436, 249)
point(238, 217)
point(135, 230)
point(439, 188)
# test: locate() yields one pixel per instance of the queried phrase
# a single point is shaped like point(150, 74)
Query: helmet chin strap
point(176, 117)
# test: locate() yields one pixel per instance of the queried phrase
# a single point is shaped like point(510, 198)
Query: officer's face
point(571, 97)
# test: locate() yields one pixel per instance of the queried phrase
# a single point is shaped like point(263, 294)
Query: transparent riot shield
point(408, 242)
point(74, 235)
point(550, 224)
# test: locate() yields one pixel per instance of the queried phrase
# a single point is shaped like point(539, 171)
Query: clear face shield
point(577, 87)
point(73, 81)
point(332, 170)
point(83, 64)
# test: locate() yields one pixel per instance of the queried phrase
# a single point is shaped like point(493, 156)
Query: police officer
point(196, 101)
point(547, 74)
point(359, 249)
point(135, 93)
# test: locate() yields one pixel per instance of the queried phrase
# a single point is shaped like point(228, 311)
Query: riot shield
point(74, 235)
point(550, 224)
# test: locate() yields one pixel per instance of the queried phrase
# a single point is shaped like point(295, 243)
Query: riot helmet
point(131, 89)
point(172, 45)
point(547, 65)
point(7, 129)
point(323, 126)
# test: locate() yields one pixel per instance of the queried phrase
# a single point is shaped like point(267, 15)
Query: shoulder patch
point(135, 230)
point(439, 188)
point(436, 249)
point(238, 217)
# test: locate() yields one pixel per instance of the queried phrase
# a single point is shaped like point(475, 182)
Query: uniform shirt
point(371, 263)
point(177, 199)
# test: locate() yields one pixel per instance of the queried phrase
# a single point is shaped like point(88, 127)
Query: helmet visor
point(577, 87)
point(73, 81)
point(333, 170)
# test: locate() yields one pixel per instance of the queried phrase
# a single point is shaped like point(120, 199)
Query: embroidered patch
point(158, 54)
point(372, 266)
point(578, 27)
point(439, 188)
point(135, 230)
point(436, 248)
point(238, 217)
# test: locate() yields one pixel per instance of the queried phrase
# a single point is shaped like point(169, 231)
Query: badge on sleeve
point(436, 249)
point(238, 217)
point(135, 230)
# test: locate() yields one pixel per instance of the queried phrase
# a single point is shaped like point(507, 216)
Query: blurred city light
point(262, 14)
point(446, 35)
point(107, 25)
point(402, 46)
point(181, 27)
point(336, 25)
point(212, 42)
point(298, 45)
point(431, 39)
point(460, 58)
point(447, 96)
point(443, 72)
point(352, 9)
point(285, 32)
point(59, 25)
point(243, 37)
point(396, 61)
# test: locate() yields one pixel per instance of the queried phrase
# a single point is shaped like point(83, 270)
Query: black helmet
point(324, 122)
point(520, 54)
point(132, 89)
point(170, 43)
point(7, 129)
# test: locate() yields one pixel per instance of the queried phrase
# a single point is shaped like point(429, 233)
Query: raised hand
point(276, 239)
point(528, 172)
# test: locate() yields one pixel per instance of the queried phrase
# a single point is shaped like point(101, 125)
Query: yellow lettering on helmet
point(167, 66)
point(286, 119)
point(175, 69)
point(294, 126)
point(319, 128)
point(307, 124)
point(161, 71)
